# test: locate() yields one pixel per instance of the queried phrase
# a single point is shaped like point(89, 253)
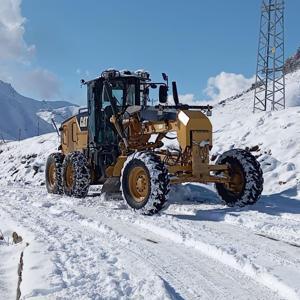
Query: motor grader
point(125, 144)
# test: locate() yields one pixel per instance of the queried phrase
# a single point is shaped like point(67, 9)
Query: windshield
point(123, 93)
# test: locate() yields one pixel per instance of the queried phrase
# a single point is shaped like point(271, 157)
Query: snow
point(293, 89)
point(70, 258)
point(24, 162)
point(276, 134)
point(10, 254)
point(196, 248)
point(58, 114)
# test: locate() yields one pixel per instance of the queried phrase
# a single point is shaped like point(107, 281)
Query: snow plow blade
point(111, 186)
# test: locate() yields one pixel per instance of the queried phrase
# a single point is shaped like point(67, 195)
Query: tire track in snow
point(243, 263)
point(277, 240)
point(213, 286)
point(191, 275)
point(125, 217)
point(78, 256)
point(176, 264)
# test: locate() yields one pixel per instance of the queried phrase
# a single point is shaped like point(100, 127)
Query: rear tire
point(247, 178)
point(53, 173)
point(145, 183)
point(76, 175)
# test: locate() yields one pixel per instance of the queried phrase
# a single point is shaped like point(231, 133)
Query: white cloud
point(184, 99)
point(219, 88)
point(187, 99)
point(226, 85)
point(44, 82)
point(16, 56)
point(12, 45)
point(32, 82)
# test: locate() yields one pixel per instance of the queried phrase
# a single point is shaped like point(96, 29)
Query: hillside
point(25, 117)
point(292, 64)
point(275, 136)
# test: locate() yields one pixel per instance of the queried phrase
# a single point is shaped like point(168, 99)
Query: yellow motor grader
point(123, 143)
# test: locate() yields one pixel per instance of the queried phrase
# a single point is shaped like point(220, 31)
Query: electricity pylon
point(270, 78)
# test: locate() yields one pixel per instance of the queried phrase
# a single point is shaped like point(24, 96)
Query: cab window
point(130, 95)
point(124, 93)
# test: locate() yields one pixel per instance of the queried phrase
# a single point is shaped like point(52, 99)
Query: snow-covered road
point(96, 248)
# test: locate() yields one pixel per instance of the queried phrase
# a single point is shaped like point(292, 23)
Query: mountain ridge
point(20, 116)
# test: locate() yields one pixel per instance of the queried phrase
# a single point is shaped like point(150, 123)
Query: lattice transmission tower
point(270, 78)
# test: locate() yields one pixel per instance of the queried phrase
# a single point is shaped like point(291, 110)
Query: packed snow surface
point(196, 248)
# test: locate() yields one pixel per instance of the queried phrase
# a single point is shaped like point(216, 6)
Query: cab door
point(101, 131)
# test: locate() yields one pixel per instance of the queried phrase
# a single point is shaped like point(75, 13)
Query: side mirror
point(163, 94)
point(164, 76)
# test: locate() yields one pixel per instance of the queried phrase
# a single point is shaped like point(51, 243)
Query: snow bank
point(24, 162)
point(9, 254)
point(293, 89)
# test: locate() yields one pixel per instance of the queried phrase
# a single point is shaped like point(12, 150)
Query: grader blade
point(111, 186)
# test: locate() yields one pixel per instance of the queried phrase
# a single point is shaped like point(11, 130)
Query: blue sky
point(190, 40)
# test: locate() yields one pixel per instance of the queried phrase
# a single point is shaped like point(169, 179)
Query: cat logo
point(83, 122)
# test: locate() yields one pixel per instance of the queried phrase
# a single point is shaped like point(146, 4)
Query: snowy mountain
point(197, 248)
point(24, 117)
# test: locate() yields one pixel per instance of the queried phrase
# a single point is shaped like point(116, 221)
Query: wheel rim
point(237, 179)
point(69, 176)
point(139, 184)
point(52, 175)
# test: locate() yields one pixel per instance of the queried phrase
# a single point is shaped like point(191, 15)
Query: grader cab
point(129, 146)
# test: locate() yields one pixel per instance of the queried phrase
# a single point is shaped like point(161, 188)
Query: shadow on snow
point(190, 194)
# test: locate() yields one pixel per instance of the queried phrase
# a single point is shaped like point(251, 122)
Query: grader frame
point(192, 166)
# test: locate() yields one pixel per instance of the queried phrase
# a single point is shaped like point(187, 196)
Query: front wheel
point(145, 183)
point(246, 178)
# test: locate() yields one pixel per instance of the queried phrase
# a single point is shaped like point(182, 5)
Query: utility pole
point(3, 140)
point(270, 77)
point(38, 126)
